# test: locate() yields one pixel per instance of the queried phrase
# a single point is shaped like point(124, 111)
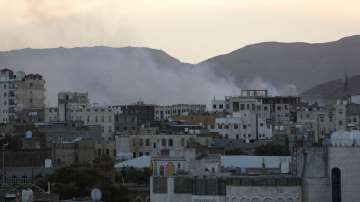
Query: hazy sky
point(191, 30)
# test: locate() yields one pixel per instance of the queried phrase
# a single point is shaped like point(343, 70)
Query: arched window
point(336, 184)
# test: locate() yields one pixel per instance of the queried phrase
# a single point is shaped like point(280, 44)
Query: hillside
point(302, 64)
point(332, 90)
point(123, 75)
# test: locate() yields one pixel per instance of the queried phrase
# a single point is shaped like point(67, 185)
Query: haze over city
point(189, 30)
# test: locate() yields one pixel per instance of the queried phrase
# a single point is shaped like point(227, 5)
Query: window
point(163, 142)
point(141, 142)
point(147, 142)
point(170, 142)
point(242, 107)
point(236, 126)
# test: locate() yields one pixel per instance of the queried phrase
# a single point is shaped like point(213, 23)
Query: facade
point(30, 98)
point(226, 188)
point(317, 120)
point(22, 97)
point(7, 95)
point(78, 151)
point(243, 126)
point(51, 114)
point(149, 141)
point(129, 117)
point(68, 101)
point(330, 173)
point(168, 111)
point(95, 115)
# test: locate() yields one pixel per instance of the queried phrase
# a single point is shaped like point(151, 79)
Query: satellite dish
point(96, 194)
point(28, 134)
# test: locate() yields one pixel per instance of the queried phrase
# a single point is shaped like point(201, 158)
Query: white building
point(7, 95)
point(246, 126)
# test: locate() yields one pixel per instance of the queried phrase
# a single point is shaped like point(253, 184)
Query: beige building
point(30, 92)
point(95, 115)
point(151, 142)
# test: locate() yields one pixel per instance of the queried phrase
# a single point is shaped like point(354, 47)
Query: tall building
point(30, 98)
point(68, 101)
point(7, 95)
point(21, 96)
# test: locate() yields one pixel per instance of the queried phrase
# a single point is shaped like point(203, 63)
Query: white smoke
point(259, 83)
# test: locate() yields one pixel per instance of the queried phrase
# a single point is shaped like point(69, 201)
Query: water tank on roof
point(96, 194)
point(28, 134)
point(27, 195)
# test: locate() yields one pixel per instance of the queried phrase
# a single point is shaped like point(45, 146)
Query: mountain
point(302, 64)
point(123, 75)
point(331, 91)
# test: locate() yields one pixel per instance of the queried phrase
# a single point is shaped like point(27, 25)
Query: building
point(7, 96)
point(243, 126)
point(129, 117)
point(77, 151)
point(166, 112)
point(150, 141)
point(316, 120)
point(30, 98)
point(95, 115)
point(22, 97)
point(68, 101)
point(330, 173)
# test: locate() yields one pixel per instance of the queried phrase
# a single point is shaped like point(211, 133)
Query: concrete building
point(30, 98)
point(330, 173)
point(129, 117)
point(243, 126)
point(217, 188)
point(22, 97)
point(150, 141)
point(7, 95)
point(316, 120)
point(51, 114)
point(68, 101)
point(95, 115)
point(166, 112)
point(78, 151)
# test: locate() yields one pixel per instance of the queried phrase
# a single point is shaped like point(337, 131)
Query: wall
point(347, 159)
point(263, 193)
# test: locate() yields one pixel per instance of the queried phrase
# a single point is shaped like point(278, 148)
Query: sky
point(190, 30)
